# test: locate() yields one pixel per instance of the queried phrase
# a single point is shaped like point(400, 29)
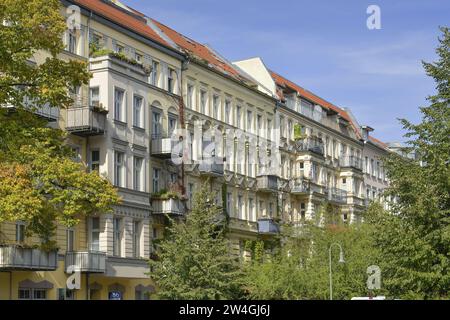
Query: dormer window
point(365, 132)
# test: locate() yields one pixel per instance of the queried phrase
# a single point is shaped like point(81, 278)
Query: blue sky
point(325, 47)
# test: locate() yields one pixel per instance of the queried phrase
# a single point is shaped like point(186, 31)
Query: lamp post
point(341, 260)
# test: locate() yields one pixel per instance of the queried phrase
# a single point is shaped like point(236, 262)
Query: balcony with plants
point(118, 60)
point(168, 201)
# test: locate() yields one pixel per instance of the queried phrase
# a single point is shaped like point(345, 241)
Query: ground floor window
point(142, 295)
point(66, 294)
point(32, 294)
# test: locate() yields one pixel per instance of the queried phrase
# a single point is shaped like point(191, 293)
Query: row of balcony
point(13, 257)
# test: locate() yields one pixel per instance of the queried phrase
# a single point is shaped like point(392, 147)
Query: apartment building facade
point(271, 151)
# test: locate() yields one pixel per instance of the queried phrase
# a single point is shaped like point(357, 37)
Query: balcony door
point(156, 124)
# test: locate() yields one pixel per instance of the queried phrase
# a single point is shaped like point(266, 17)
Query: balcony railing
point(46, 112)
point(350, 162)
point(13, 257)
point(85, 121)
point(311, 145)
point(89, 261)
point(161, 146)
point(167, 206)
point(267, 183)
point(210, 168)
point(337, 195)
point(268, 226)
point(299, 186)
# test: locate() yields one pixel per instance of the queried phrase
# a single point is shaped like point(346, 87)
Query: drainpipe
point(184, 66)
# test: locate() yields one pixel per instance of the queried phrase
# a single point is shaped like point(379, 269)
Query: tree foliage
point(40, 183)
point(32, 31)
point(299, 270)
point(194, 260)
point(415, 236)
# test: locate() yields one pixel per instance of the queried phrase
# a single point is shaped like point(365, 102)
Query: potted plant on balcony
point(98, 107)
point(298, 132)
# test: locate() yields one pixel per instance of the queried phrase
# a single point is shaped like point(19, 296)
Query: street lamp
point(341, 260)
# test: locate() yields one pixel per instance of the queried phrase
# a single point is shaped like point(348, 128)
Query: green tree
point(415, 236)
point(31, 42)
point(300, 268)
point(194, 260)
point(39, 181)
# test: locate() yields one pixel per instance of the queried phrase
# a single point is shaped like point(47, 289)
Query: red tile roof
point(120, 17)
point(378, 142)
point(201, 52)
point(283, 82)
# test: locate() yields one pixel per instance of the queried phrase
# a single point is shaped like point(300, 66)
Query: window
point(173, 178)
point(96, 40)
point(24, 294)
point(95, 161)
point(141, 295)
point(269, 129)
point(39, 294)
point(366, 165)
point(138, 177)
point(261, 207)
point(95, 234)
point(378, 173)
point(372, 167)
point(172, 124)
point(154, 74)
point(137, 112)
point(259, 124)
point(190, 193)
point(119, 48)
point(289, 133)
point(216, 101)
point(117, 236)
point(170, 80)
point(251, 209)
point(119, 112)
point(203, 101)
point(20, 232)
point(227, 111)
point(155, 185)
point(76, 153)
point(271, 209)
point(136, 239)
point(249, 120)
point(66, 294)
point(156, 124)
point(230, 204)
point(32, 294)
point(94, 97)
point(138, 57)
point(241, 207)
point(72, 43)
point(190, 95)
point(70, 239)
point(119, 168)
point(302, 210)
point(238, 116)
